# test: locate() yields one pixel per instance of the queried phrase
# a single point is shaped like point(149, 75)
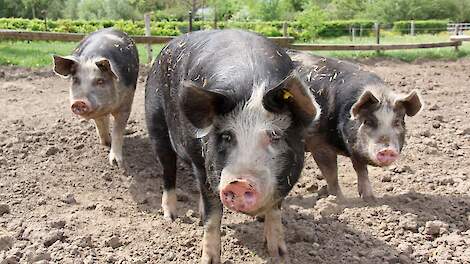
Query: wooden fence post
point(377, 34)
point(215, 16)
point(44, 13)
point(412, 29)
point(284, 29)
point(148, 33)
point(457, 29)
point(353, 34)
point(190, 26)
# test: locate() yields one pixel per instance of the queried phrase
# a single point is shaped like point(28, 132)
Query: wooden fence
point(282, 41)
point(75, 37)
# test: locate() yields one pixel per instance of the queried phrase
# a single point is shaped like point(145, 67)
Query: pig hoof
point(281, 258)
point(106, 143)
point(169, 205)
point(278, 260)
point(206, 259)
point(369, 198)
point(340, 197)
point(170, 217)
point(116, 160)
point(278, 251)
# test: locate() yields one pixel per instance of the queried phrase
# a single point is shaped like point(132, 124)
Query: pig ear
point(64, 66)
point(201, 106)
point(411, 102)
point(105, 66)
point(365, 100)
point(293, 94)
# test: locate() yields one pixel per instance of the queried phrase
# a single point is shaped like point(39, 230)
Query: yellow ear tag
point(287, 95)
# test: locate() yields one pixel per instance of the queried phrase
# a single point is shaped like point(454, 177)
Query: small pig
point(104, 69)
point(361, 118)
point(228, 103)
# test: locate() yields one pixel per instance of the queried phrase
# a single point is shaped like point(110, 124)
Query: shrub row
point(175, 28)
point(421, 26)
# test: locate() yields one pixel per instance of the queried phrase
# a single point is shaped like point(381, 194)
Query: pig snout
point(240, 195)
point(387, 156)
point(81, 107)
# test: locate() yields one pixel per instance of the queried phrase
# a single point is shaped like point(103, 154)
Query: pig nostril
point(229, 196)
point(249, 197)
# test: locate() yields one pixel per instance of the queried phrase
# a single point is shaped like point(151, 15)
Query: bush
point(337, 28)
point(421, 26)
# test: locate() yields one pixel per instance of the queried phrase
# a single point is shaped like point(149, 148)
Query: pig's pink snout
point(80, 107)
point(387, 156)
point(240, 195)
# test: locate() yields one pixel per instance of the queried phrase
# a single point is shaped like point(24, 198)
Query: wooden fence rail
point(282, 41)
point(454, 44)
point(75, 37)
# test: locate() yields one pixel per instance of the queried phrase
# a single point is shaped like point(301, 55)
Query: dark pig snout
point(81, 107)
point(240, 195)
point(387, 156)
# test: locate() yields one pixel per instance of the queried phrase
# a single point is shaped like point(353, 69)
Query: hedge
point(175, 28)
point(421, 26)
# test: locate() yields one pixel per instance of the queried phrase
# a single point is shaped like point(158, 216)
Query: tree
point(9, 8)
point(71, 9)
point(346, 9)
point(311, 19)
point(389, 11)
point(111, 9)
point(55, 9)
point(33, 8)
point(91, 9)
point(121, 9)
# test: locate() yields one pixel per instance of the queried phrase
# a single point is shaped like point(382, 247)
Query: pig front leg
point(274, 235)
point(117, 138)
point(327, 161)
point(102, 128)
point(211, 240)
point(211, 210)
point(363, 183)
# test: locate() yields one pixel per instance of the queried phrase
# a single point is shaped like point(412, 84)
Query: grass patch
point(38, 54)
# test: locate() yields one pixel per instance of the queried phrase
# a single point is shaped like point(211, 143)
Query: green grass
point(38, 53)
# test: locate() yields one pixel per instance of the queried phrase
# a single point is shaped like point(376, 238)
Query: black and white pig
point(104, 69)
point(362, 118)
point(228, 103)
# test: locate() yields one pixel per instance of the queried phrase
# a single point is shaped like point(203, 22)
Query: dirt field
point(60, 201)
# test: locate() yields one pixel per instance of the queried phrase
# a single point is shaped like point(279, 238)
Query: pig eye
point(226, 137)
point(370, 123)
point(274, 136)
point(100, 81)
point(397, 123)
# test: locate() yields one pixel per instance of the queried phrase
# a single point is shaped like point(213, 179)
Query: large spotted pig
point(104, 69)
point(227, 103)
point(362, 118)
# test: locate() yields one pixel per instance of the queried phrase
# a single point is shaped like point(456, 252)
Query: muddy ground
point(61, 202)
